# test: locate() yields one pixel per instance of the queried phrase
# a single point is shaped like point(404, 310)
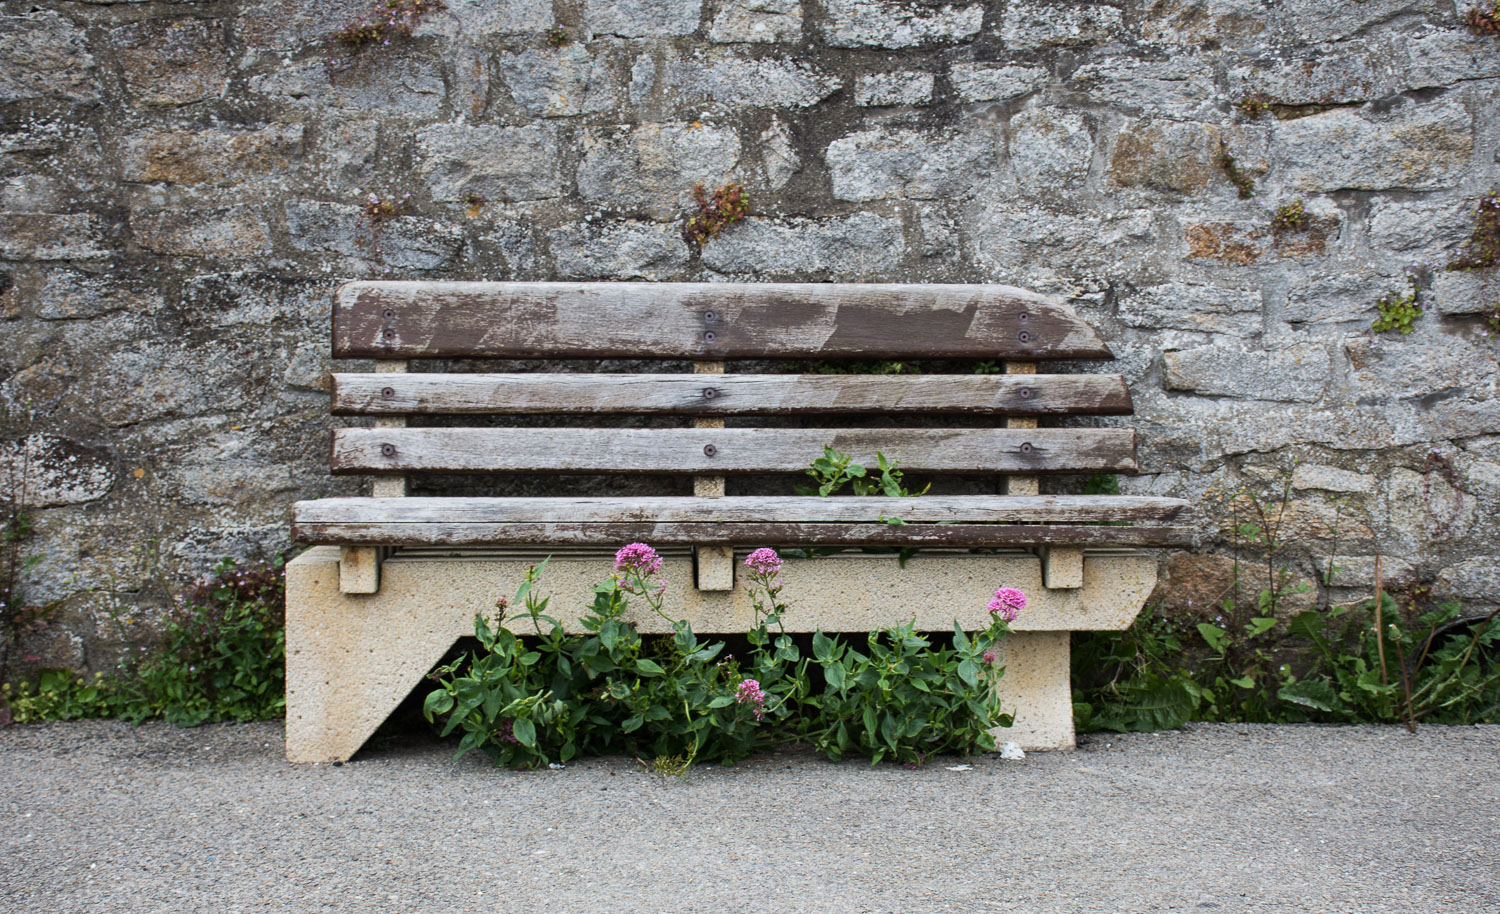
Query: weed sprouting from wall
point(1254, 104)
point(375, 214)
point(391, 19)
point(728, 206)
point(1483, 20)
point(1225, 161)
point(1399, 310)
point(1482, 252)
point(557, 37)
point(1290, 217)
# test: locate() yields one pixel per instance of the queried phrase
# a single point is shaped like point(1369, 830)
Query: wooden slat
point(728, 394)
point(741, 509)
point(704, 321)
point(727, 450)
point(1021, 485)
point(438, 533)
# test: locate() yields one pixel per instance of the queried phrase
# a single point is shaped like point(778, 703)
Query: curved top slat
point(412, 320)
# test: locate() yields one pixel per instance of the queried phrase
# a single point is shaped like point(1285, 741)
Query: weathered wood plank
point(389, 486)
point(727, 394)
point(1041, 509)
point(437, 533)
point(704, 321)
point(727, 450)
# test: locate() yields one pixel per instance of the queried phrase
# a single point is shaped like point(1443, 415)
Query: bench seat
point(931, 520)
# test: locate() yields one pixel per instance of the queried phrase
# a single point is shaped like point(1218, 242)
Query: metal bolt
point(1025, 393)
point(388, 314)
point(388, 393)
point(709, 336)
point(709, 450)
point(710, 316)
point(1024, 316)
point(389, 450)
point(709, 393)
point(1026, 447)
point(388, 334)
point(1024, 336)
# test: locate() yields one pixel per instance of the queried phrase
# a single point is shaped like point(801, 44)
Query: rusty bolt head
point(387, 450)
point(709, 450)
point(388, 393)
point(709, 393)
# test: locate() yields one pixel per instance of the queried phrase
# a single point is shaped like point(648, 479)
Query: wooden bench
point(393, 581)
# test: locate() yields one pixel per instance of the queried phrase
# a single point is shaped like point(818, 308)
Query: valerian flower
point(1008, 603)
point(638, 557)
point(764, 562)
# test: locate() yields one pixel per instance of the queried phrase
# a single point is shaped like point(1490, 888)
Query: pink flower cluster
point(506, 733)
point(640, 557)
point(750, 693)
point(1008, 603)
point(764, 562)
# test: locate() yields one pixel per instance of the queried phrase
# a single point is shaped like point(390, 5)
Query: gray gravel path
point(103, 817)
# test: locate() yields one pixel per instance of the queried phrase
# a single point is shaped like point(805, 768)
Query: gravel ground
point(104, 817)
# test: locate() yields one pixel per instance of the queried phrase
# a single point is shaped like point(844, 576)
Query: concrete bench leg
point(1037, 688)
point(352, 658)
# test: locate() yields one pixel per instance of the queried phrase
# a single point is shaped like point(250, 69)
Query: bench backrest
point(708, 323)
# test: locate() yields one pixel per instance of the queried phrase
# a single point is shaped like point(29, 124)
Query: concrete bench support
point(353, 657)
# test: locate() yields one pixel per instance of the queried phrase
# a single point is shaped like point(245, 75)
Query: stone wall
point(181, 187)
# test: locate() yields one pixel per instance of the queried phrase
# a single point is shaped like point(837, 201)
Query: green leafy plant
point(728, 206)
point(1381, 660)
point(561, 696)
point(835, 469)
point(1399, 310)
point(1225, 161)
point(222, 658)
point(558, 37)
point(1290, 217)
point(675, 701)
point(904, 699)
point(1482, 252)
point(1133, 680)
point(1374, 663)
point(224, 655)
point(61, 695)
point(389, 20)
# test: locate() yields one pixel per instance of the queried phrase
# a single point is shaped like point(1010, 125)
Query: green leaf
point(1259, 626)
point(632, 724)
point(524, 731)
point(1216, 638)
point(648, 667)
point(1317, 694)
point(968, 671)
point(723, 701)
